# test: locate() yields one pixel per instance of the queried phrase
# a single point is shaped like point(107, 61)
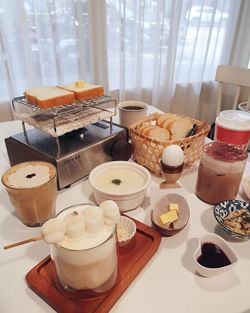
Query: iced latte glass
point(220, 172)
point(86, 264)
point(32, 190)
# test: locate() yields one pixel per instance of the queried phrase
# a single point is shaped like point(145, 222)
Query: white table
point(167, 284)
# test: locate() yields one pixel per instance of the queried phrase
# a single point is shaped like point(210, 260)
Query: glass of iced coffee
point(32, 190)
point(220, 172)
point(86, 259)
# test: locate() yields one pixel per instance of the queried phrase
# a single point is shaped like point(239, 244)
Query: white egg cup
point(171, 166)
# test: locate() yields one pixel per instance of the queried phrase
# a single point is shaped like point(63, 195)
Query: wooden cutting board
point(131, 259)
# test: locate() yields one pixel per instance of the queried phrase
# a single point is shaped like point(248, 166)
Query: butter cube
point(168, 217)
point(79, 83)
point(174, 206)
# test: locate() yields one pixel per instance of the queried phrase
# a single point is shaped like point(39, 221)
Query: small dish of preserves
point(234, 217)
point(213, 256)
point(170, 214)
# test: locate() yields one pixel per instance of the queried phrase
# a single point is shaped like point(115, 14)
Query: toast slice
point(147, 129)
point(179, 128)
point(48, 97)
point(167, 123)
point(83, 90)
point(159, 133)
point(163, 117)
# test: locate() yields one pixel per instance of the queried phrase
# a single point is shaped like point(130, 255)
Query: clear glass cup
point(86, 271)
point(220, 171)
point(34, 205)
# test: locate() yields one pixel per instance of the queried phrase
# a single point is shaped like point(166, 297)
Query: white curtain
point(158, 51)
point(164, 51)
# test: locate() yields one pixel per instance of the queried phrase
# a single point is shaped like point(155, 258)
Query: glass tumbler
point(32, 191)
point(86, 271)
point(220, 171)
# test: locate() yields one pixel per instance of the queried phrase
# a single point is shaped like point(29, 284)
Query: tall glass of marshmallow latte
point(32, 189)
point(85, 259)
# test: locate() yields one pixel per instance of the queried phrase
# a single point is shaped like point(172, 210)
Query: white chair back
point(240, 77)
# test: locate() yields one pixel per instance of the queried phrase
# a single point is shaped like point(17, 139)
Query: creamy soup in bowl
point(122, 181)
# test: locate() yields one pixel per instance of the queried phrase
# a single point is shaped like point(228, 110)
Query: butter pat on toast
point(83, 90)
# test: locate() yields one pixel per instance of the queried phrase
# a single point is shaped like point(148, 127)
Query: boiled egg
point(172, 155)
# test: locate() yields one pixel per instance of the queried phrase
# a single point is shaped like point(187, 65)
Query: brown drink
point(32, 189)
point(220, 172)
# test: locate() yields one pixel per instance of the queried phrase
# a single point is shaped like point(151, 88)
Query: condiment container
point(233, 126)
point(214, 256)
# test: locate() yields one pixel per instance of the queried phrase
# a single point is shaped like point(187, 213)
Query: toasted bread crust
point(30, 98)
point(55, 97)
point(57, 101)
point(69, 97)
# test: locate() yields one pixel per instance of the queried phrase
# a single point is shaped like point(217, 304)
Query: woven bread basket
point(148, 151)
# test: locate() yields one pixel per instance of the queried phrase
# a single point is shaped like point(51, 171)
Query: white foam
point(87, 240)
point(29, 176)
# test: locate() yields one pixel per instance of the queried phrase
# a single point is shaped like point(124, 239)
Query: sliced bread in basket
point(179, 128)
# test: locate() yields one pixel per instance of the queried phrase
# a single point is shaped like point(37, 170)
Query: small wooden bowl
point(161, 207)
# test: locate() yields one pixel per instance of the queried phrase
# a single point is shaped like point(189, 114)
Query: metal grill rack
point(58, 121)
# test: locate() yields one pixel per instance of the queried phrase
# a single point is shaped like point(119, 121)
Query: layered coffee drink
point(220, 172)
point(32, 189)
point(85, 257)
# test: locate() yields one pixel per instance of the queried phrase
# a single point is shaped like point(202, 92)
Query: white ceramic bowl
point(224, 246)
point(124, 182)
point(127, 225)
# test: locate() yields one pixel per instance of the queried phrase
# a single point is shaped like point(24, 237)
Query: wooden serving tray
point(131, 259)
